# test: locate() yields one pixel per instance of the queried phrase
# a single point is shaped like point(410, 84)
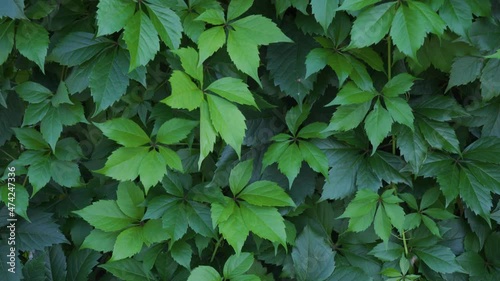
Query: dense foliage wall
point(210, 140)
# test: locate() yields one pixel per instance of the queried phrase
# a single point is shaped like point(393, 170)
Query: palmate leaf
point(142, 40)
point(167, 24)
point(265, 222)
point(32, 41)
point(175, 130)
point(378, 124)
point(233, 89)
point(237, 265)
point(77, 48)
point(266, 193)
point(457, 15)
point(372, 24)
point(348, 117)
point(105, 215)
point(185, 93)
point(124, 131)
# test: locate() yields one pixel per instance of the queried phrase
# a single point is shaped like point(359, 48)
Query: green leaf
point(142, 40)
point(237, 265)
point(207, 132)
point(400, 111)
point(457, 14)
point(489, 84)
point(199, 219)
point(433, 22)
point(185, 93)
point(33, 92)
point(32, 41)
point(234, 228)
point(128, 243)
point(348, 117)
point(51, 127)
point(128, 270)
point(153, 232)
point(204, 273)
point(81, 263)
point(175, 130)
point(39, 173)
point(382, 224)
point(266, 193)
point(181, 253)
point(240, 176)
point(41, 232)
point(78, 47)
point(370, 57)
point(412, 146)
point(13, 9)
point(175, 222)
point(228, 120)
point(314, 157)
point(124, 131)
point(105, 215)
point(99, 240)
point(189, 61)
point(30, 138)
point(407, 31)
point(21, 200)
point(296, 116)
point(65, 173)
point(153, 167)
point(485, 149)
point(377, 125)
point(372, 24)
point(351, 94)
point(108, 79)
point(265, 222)
point(6, 39)
point(313, 258)
point(212, 16)
point(124, 163)
point(236, 8)
point(313, 130)
point(233, 89)
point(431, 225)
point(389, 251)
point(61, 96)
point(210, 41)
point(439, 135)
point(244, 53)
point(474, 194)
point(316, 60)
point(324, 11)
point(438, 258)
point(354, 5)
point(464, 70)
point(129, 196)
point(113, 15)
point(167, 24)
point(398, 85)
point(290, 161)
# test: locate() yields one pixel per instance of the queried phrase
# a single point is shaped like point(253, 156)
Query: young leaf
point(124, 131)
point(237, 265)
point(204, 273)
point(314, 157)
point(185, 93)
point(233, 89)
point(237, 7)
point(266, 193)
point(240, 176)
point(265, 222)
point(290, 161)
point(348, 117)
point(189, 61)
point(105, 215)
point(244, 53)
point(129, 196)
point(210, 41)
point(142, 40)
point(351, 94)
point(124, 163)
point(207, 132)
point(378, 125)
point(234, 229)
point(128, 243)
point(175, 130)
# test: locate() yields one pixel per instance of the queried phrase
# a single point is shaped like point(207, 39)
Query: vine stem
point(215, 250)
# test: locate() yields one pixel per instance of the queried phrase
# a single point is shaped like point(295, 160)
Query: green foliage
point(244, 140)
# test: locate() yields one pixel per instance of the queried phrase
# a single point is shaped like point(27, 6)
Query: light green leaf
point(185, 93)
point(212, 16)
point(6, 39)
point(127, 269)
point(237, 7)
point(171, 158)
point(240, 176)
point(124, 131)
point(207, 132)
point(113, 15)
point(167, 24)
point(108, 79)
point(244, 53)
point(128, 243)
point(33, 92)
point(266, 193)
point(457, 14)
point(32, 41)
point(398, 85)
point(237, 265)
point(100, 241)
point(265, 222)
point(175, 130)
point(129, 196)
point(105, 215)
point(189, 61)
point(314, 157)
point(124, 163)
point(290, 161)
point(492, 56)
point(433, 22)
point(204, 273)
point(348, 117)
point(273, 153)
point(324, 11)
point(233, 89)
point(438, 258)
point(313, 130)
point(260, 30)
point(210, 41)
point(234, 229)
point(142, 40)
point(382, 224)
point(228, 120)
point(351, 94)
point(400, 111)
point(313, 258)
point(407, 31)
point(21, 200)
point(354, 5)
point(372, 24)
point(78, 47)
point(378, 124)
